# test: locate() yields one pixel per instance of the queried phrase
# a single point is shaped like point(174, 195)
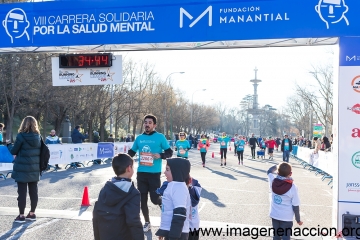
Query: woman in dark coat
point(26, 170)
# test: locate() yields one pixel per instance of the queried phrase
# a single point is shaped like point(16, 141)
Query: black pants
point(22, 192)
point(285, 226)
point(253, 152)
point(223, 152)
point(240, 155)
point(235, 149)
point(203, 154)
point(148, 183)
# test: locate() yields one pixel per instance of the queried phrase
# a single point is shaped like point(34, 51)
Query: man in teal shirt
point(286, 148)
point(224, 142)
point(182, 146)
point(153, 147)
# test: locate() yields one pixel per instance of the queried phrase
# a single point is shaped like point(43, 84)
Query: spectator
point(128, 139)
point(317, 144)
point(78, 137)
point(1, 133)
point(53, 139)
point(26, 170)
point(325, 146)
point(96, 137)
point(110, 138)
point(286, 148)
point(191, 139)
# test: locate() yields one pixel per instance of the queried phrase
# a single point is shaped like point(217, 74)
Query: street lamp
point(192, 102)
point(166, 81)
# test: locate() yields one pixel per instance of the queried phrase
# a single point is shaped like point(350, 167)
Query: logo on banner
point(188, 15)
point(16, 23)
point(332, 11)
point(355, 108)
point(105, 150)
point(352, 58)
point(356, 133)
point(102, 75)
point(70, 76)
point(353, 187)
point(356, 159)
point(355, 83)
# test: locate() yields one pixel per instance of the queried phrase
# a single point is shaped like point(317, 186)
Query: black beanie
point(180, 169)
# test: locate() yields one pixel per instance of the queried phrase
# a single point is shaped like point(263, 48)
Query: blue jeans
point(285, 229)
point(286, 155)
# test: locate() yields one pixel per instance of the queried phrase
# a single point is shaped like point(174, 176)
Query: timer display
point(85, 60)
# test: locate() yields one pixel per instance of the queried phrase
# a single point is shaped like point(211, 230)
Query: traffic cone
point(85, 200)
point(213, 155)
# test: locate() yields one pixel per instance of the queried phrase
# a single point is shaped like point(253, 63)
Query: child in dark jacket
point(176, 203)
point(116, 215)
point(285, 200)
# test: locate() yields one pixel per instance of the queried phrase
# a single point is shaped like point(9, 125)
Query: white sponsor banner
point(349, 146)
point(6, 167)
point(323, 160)
point(87, 76)
point(122, 147)
point(80, 152)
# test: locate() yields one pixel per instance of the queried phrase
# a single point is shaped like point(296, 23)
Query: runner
point(263, 146)
point(204, 145)
point(240, 143)
point(236, 137)
point(151, 145)
point(224, 142)
point(182, 146)
point(271, 145)
point(253, 142)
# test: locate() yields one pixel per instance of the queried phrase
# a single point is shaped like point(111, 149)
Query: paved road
point(233, 196)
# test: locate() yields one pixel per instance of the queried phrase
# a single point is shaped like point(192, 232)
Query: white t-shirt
point(194, 216)
point(281, 205)
point(175, 195)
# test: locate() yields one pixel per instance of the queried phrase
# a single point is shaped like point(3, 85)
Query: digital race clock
point(95, 60)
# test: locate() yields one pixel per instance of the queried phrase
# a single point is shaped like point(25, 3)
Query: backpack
point(44, 156)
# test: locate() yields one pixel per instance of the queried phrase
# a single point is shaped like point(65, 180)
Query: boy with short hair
point(116, 214)
point(285, 200)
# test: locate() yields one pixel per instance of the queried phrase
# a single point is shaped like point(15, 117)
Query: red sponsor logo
point(355, 108)
point(356, 133)
point(355, 83)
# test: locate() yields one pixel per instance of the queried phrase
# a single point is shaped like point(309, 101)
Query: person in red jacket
point(271, 144)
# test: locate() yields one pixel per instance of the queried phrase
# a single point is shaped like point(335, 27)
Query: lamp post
point(192, 102)
point(166, 81)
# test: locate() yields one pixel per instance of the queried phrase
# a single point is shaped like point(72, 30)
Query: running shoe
point(221, 164)
point(19, 219)
point(239, 162)
point(224, 163)
point(31, 217)
point(146, 227)
point(242, 163)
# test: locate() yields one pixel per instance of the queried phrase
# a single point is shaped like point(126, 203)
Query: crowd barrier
point(68, 153)
point(322, 163)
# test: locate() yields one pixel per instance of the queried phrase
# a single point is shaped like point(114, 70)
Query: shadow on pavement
point(19, 228)
point(222, 174)
point(212, 197)
point(247, 174)
point(68, 173)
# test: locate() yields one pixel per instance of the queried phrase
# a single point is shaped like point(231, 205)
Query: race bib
point(204, 146)
point(182, 151)
point(223, 143)
point(146, 159)
point(241, 147)
point(286, 144)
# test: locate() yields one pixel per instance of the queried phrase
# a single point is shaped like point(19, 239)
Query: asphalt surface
point(233, 196)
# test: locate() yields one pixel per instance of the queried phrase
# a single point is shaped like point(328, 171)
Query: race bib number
point(241, 147)
point(146, 159)
point(223, 143)
point(286, 144)
point(182, 151)
point(204, 146)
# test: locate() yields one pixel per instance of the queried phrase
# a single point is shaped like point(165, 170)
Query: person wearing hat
point(286, 148)
point(182, 146)
point(176, 202)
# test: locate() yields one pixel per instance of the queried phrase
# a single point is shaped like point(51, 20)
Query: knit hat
point(180, 169)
